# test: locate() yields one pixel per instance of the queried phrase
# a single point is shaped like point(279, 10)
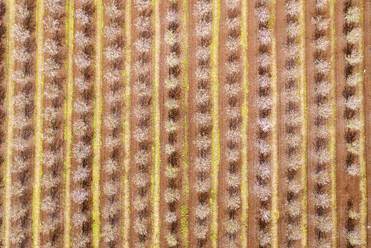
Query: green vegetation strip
point(275, 211)
point(363, 179)
point(126, 126)
point(245, 113)
point(215, 144)
point(156, 128)
point(185, 167)
point(332, 127)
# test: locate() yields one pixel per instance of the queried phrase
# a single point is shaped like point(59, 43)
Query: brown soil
point(281, 37)
point(367, 99)
point(3, 30)
point(253, 200)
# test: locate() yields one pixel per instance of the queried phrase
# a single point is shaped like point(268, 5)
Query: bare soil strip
point(3, 114)
point(39, 116)
point(282, 38)
point(9, 120)
point(367, 103)
point(68, 122)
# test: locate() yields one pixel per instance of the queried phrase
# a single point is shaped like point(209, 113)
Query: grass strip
point(362, 157)
point(156, 127)
point(126, 126)
point(332, 126)
point(275, 210)
point(215, 143)
point(185, 164)
point(244, 125)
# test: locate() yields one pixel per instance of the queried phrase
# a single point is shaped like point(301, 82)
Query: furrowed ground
point(175, 123)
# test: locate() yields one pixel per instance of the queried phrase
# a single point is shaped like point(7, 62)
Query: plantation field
point(176, 123)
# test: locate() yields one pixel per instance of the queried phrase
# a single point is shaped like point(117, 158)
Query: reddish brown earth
point(3, 30)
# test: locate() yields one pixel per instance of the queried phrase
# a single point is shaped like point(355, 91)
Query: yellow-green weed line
point(68, 122)
point(184, 209)
point(97, 141)
point(244, 124)
point(215, 137)
point(109, 139)
point(126, 124)
point(156, 127)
